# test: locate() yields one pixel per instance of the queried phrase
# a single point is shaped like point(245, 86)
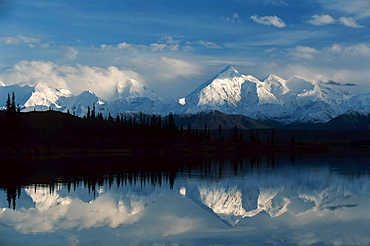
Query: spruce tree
point(13, 105)
point(8, 103)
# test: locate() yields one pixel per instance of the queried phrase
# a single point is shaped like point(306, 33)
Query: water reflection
point(223, 202)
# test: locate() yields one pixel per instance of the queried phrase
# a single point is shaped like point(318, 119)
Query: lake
point(301, 200)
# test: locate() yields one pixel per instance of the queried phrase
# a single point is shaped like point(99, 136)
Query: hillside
point(214, 119)
point(61, 134)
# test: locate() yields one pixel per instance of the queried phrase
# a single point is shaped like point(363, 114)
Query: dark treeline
point(45, 132)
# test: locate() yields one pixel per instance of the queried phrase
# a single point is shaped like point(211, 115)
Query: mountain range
point(294, 101)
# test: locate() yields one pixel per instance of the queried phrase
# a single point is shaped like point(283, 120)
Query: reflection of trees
point(93, 182)
point(153, 171)
point(13, 193)
point(93, 174)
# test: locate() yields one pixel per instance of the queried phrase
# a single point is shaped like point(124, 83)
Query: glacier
point(288, 101)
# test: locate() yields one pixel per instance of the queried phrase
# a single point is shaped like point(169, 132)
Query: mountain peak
point(273, 77)
point(130, 88)
point(229, 72)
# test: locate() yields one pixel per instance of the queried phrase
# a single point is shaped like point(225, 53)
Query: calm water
point(279, 201)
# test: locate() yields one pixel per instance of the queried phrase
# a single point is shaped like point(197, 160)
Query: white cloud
point(165, 75)
point(320, 20)
point(20, 39)
point(234, 18)
point(66, 213)
point(269, 21)
point(279, 3)
point(358, 8)
point(350, 22)
point(337, 62)
point(303, 52)
point(123, 45)
point(100, 80)
point(166, 43)
point(335, 54)
point(69, 53)
point(208, 44)
point(168, 68)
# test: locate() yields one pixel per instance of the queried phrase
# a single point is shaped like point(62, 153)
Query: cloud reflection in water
point(294, 205)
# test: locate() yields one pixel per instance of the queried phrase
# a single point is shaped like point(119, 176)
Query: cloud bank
point(100, 80)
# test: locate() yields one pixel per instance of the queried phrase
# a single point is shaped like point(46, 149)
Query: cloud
point(67, 213)
point(345, 64)
point(358, 8)
point(20, 39)
point(166, 74)
point(100, 80)
point(303, 52)
point(168, 68)
point(320, 20)
point(279, 3)
point(331, 82)
point(350, 22)
point(69, 53)
point(208, 44)
point(332, 54)
point(234, 18)
point(358, 50)
point(269, 21)
point(166, 43)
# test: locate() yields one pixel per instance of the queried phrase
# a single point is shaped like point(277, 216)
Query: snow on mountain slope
point(155, 105)
point(131, 96)
point(223, 89)
point(78, 105)
point(44, 95)
point(228, 89)
point(276, 193)
point(131, 89)
point(287, 101)
point(232, 197)
point(294, 100)
point(359, 102)
point(22, 94)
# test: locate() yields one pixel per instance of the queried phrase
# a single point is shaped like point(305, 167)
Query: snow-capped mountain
point(131, 96)
point(132, 88)
point(45, 96)
point(287, 101)
point(291, 101)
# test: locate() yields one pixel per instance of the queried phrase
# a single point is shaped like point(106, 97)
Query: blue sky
point(174, 46)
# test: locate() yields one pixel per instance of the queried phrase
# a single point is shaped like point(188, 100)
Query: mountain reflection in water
point(313, 201)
